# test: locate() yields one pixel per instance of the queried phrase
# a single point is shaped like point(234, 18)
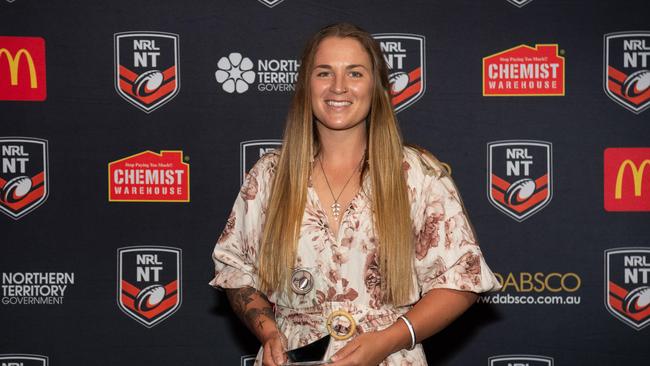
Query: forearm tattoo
point(254, 317)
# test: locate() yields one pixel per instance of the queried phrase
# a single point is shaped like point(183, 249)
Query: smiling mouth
point(337, 103)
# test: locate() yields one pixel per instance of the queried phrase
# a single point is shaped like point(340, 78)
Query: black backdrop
point(87, 125)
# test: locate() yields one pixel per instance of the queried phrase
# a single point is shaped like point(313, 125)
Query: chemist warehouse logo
point(405, 57)
point(524, 71)
point(147, 68)
point(149, 282)
point(627, 285)
point(627, 69)
point(237, 73)
point(519, 176)
point(149, 177)
point(35, 288)
point(24, 175)
point(23, 360)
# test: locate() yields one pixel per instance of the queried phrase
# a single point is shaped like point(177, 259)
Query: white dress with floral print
point(345, 268)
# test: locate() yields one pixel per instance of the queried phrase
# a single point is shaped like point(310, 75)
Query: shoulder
point(421, 162)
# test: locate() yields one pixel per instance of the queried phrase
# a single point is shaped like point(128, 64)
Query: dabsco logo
point(627, 69)
point(24, 175)
point(404, 54)
point(519, 176)
point(627, 285)
point(23, 360)
point(524, 71)
point(147, 68)
point(149, 283)
point(22, 68)
point(149, 177)
point(250, 152)
point(627, 182)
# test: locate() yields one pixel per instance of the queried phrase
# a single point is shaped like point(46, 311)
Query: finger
point(277, 351)
point(267, 357)
point(345, 351)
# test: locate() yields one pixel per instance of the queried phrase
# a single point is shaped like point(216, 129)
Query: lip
point(333, 103)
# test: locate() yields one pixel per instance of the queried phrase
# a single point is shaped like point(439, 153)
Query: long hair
point(389, 193)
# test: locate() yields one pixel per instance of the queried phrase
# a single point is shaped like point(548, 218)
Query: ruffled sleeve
point(447, 254)
point(235, 254)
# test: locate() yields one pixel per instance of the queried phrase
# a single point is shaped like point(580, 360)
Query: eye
point(322, 74)
point(356, 74)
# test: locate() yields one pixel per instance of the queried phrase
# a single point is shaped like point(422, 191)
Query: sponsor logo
point(520, 360)
point(23, 360)
point(35, 288)
point(627, 181)
point(538, 288)
point(248, 360)
point(627, 285)
point(519, 176)
point(22, 68)
point(270, 3)
point(149, 282)
point(250, 151)
point(405, 56)
point(237, 74)
point(24, 175)
point(147, 68)
point(626, 77)
point(524, 71)
point(520, 3)
point(149, 177)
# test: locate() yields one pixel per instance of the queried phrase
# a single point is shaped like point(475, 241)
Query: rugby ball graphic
point(637, 300)
point(16, 189)
point(636, 83)
point(147, 83)
point(520, 191)
point(398, 82)
point(149, 297)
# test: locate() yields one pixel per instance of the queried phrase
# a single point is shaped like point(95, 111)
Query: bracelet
point(411, 330)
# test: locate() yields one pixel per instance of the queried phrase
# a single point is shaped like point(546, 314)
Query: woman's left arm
point(432, 313)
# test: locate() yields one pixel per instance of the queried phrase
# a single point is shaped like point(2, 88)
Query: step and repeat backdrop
point(126, 128)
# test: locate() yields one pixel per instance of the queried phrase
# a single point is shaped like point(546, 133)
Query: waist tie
point(342, 320)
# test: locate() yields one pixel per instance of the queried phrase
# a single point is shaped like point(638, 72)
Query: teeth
point(334, 103)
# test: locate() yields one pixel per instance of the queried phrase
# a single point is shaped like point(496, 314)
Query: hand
point(274, 346)
point(367, 349)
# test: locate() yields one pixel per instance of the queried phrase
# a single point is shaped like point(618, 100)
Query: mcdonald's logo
point(22, 68)
point(627, 181)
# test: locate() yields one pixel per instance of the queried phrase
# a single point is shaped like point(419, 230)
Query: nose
point(338, 85)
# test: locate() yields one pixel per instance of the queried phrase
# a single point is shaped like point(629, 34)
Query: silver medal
point(302, 281)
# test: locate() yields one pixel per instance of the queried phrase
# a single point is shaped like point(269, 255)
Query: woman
point(346, 231)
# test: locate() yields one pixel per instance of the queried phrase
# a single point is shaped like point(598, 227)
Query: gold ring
point(334, 333)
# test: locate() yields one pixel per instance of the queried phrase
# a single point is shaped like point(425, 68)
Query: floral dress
point(344, 268)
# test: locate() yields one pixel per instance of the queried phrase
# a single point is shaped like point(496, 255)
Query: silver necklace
point(336, 206)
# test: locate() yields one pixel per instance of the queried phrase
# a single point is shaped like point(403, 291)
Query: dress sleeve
point(235, 254)
point(447, 254)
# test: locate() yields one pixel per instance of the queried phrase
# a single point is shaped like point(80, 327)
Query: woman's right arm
point(255, 310)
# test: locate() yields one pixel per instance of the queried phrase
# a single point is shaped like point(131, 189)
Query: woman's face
point(341, 83)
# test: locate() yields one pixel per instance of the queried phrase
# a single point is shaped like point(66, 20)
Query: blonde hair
point(389, 193)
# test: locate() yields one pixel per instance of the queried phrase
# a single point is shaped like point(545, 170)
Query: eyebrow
point(347, 67)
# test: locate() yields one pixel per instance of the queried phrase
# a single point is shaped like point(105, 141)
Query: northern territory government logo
point(23, 360)
point(405, 57)
point(520, 360)
point(524, 71)
point(147, 68)
point(626, 77)
point(24, 175)
point(149, 177)
point(627, 179)
point(519, 176)
point(22, 68)
point(627, 285)
point(149, 282)
point(251, 151)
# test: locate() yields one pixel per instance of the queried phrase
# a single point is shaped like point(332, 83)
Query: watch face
point(311, 354)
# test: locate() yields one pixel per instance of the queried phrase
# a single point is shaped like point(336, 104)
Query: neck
point(342, 147)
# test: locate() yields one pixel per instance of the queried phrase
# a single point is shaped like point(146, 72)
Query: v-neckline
point(320, 207)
